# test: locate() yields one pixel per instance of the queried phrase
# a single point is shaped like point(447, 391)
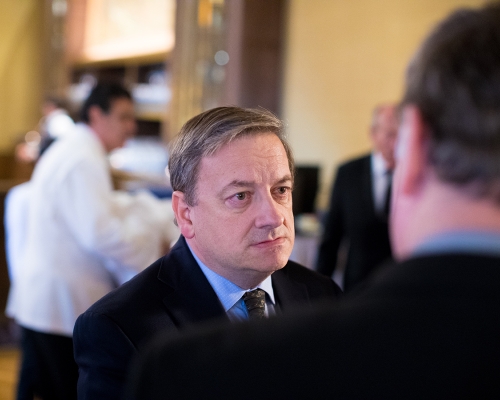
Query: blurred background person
point(81, 239)
point(356, 222)
point(55, 123)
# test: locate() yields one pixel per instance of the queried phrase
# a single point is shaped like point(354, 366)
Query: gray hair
point(204, 134)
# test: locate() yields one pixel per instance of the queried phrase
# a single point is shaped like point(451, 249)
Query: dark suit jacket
point(171, 294)
point(424, 329)
point(352, 217)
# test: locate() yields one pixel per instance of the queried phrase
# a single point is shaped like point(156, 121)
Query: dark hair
point(207, 132)
point(454, 80)
point(102, 95)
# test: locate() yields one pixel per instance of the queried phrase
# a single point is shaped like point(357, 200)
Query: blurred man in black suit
point(359, 206)
point(424, 328)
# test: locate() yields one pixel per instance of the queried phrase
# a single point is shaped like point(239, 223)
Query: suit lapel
point(189, 297)
point(367, 185)
point(287, 291)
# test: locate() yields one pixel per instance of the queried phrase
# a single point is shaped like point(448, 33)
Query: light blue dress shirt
point(475, 242)
point(230, 294)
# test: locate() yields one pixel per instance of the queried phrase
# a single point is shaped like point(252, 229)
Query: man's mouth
point(270, 242)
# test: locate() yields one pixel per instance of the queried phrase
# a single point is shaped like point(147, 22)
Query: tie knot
point(255, 302)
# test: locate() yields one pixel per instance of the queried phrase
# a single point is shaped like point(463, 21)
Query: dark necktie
point(387, 204)
point(255, 302)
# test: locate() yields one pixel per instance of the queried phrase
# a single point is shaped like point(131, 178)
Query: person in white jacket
point(55, 123)
point(80, 240)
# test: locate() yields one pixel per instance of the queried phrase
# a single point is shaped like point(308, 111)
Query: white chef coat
point(57, 123)
point(81, 237)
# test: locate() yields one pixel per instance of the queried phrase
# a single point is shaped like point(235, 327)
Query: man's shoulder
point(314, 282)
point(451, 275)
point(356, 161)
point(295, 270)
point(451, 259)
point(139, 288)
point(148, 287)
point(354, 164)
point(67, 154)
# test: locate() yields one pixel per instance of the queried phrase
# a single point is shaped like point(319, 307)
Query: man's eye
point(239, 200)
point(283, 190)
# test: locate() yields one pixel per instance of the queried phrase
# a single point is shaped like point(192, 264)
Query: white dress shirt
point(380, 180)
point(81, 237)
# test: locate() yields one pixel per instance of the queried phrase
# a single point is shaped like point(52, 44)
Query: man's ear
point(182, 212)
point(412, 150)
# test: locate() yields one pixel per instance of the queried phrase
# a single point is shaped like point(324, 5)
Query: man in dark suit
point(230, 169)
point(356, 221)
point(424, 328)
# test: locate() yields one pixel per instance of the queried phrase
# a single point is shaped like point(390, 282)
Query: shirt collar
point(228, 292)
point(379, 166)
point(478, 242)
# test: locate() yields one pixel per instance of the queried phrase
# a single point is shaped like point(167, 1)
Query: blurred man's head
point(52, 103)
point(384, 131)
point(450, 132)
point(109, 111)
point(231, 171)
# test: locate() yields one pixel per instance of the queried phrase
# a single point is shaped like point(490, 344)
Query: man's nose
point(269, 213)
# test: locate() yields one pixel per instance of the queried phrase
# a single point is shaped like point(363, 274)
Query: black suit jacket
point(424, 329)
point(352, 217)
point(171, 294)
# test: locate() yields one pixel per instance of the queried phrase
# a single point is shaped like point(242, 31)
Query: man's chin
point(275, 264)
point(269, 258)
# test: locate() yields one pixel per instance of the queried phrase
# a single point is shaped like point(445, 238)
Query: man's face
point(384, 133)
point(242, 223)
point(115, 127)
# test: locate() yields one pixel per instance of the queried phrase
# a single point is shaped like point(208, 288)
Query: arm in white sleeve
point(128, 234)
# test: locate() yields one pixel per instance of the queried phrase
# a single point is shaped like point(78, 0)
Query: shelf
point(122, 62)
point(151, 116)
point(148, 84)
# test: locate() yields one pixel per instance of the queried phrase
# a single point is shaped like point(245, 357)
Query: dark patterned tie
point(387, 204)
point(255, 301)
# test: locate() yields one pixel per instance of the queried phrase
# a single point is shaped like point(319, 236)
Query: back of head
point(102, 95)
point(454, 80)
point(207, 132)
